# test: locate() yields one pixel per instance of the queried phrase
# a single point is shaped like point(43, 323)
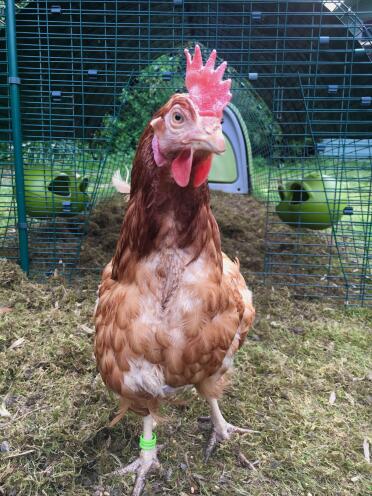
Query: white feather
point(145, 376)
point(119, 183)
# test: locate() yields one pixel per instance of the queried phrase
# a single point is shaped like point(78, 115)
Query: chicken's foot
point(146, 462)
point(222, 430)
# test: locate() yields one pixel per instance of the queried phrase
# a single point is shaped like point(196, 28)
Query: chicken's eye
point(177, 118)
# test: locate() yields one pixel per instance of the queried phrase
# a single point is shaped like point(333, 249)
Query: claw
point(220, 435)
point(204, 419)
point(212, 443)
point(142, 466)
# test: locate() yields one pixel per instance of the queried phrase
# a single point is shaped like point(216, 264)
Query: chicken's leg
point(222, 430)
point(147, 461)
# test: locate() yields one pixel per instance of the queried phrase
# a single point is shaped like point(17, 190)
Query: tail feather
point(119, 184)
point(124, 406)
point(139, 406)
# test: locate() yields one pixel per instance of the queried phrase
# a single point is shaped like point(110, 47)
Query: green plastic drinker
point(55, 193)
point(313, 202)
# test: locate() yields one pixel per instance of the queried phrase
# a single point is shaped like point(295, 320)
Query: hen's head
point(188, 130)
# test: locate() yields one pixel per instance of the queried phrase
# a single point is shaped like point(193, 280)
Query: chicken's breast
point(175, 324)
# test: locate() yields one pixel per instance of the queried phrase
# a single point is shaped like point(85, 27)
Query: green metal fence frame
point(15, 105)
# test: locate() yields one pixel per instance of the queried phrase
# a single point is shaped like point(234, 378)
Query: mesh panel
point(93, 72)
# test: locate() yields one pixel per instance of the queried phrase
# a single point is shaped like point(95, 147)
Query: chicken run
point(160, 335)
point(81, 79)
point(171, 313)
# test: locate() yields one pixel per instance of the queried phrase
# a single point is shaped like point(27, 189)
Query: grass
point(56, 440)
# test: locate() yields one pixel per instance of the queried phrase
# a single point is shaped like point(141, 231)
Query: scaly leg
point(147, 461)
point(222, 430)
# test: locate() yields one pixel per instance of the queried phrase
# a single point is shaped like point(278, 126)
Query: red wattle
point(181, 167)
point(202, 170)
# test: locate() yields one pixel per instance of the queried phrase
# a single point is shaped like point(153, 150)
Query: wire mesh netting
point(92, 74)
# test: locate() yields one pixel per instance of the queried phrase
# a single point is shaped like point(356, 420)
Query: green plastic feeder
point(312, 202)
point(55, 193)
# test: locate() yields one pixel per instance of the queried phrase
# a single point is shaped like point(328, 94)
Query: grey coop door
point(229, 171)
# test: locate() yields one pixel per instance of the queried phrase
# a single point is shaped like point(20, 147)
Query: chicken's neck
point(162, 215)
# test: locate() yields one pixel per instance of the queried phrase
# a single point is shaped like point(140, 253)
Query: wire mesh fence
point(8, 218)
point(92, 73)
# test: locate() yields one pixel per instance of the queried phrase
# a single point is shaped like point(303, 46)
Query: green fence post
point(14, 82)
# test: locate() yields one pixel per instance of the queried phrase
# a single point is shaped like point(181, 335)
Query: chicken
point(172, 308)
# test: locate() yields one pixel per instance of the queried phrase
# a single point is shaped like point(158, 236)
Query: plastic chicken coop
point(79, 80)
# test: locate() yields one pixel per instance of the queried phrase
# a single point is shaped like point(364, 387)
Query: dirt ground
point(302, 381)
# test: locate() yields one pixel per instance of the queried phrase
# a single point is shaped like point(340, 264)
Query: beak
point(209, 137)
point(218, 143)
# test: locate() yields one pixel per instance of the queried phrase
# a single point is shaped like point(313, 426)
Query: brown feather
point(172, 309)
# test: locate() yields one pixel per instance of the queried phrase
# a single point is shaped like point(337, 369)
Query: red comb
point(205, 85)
